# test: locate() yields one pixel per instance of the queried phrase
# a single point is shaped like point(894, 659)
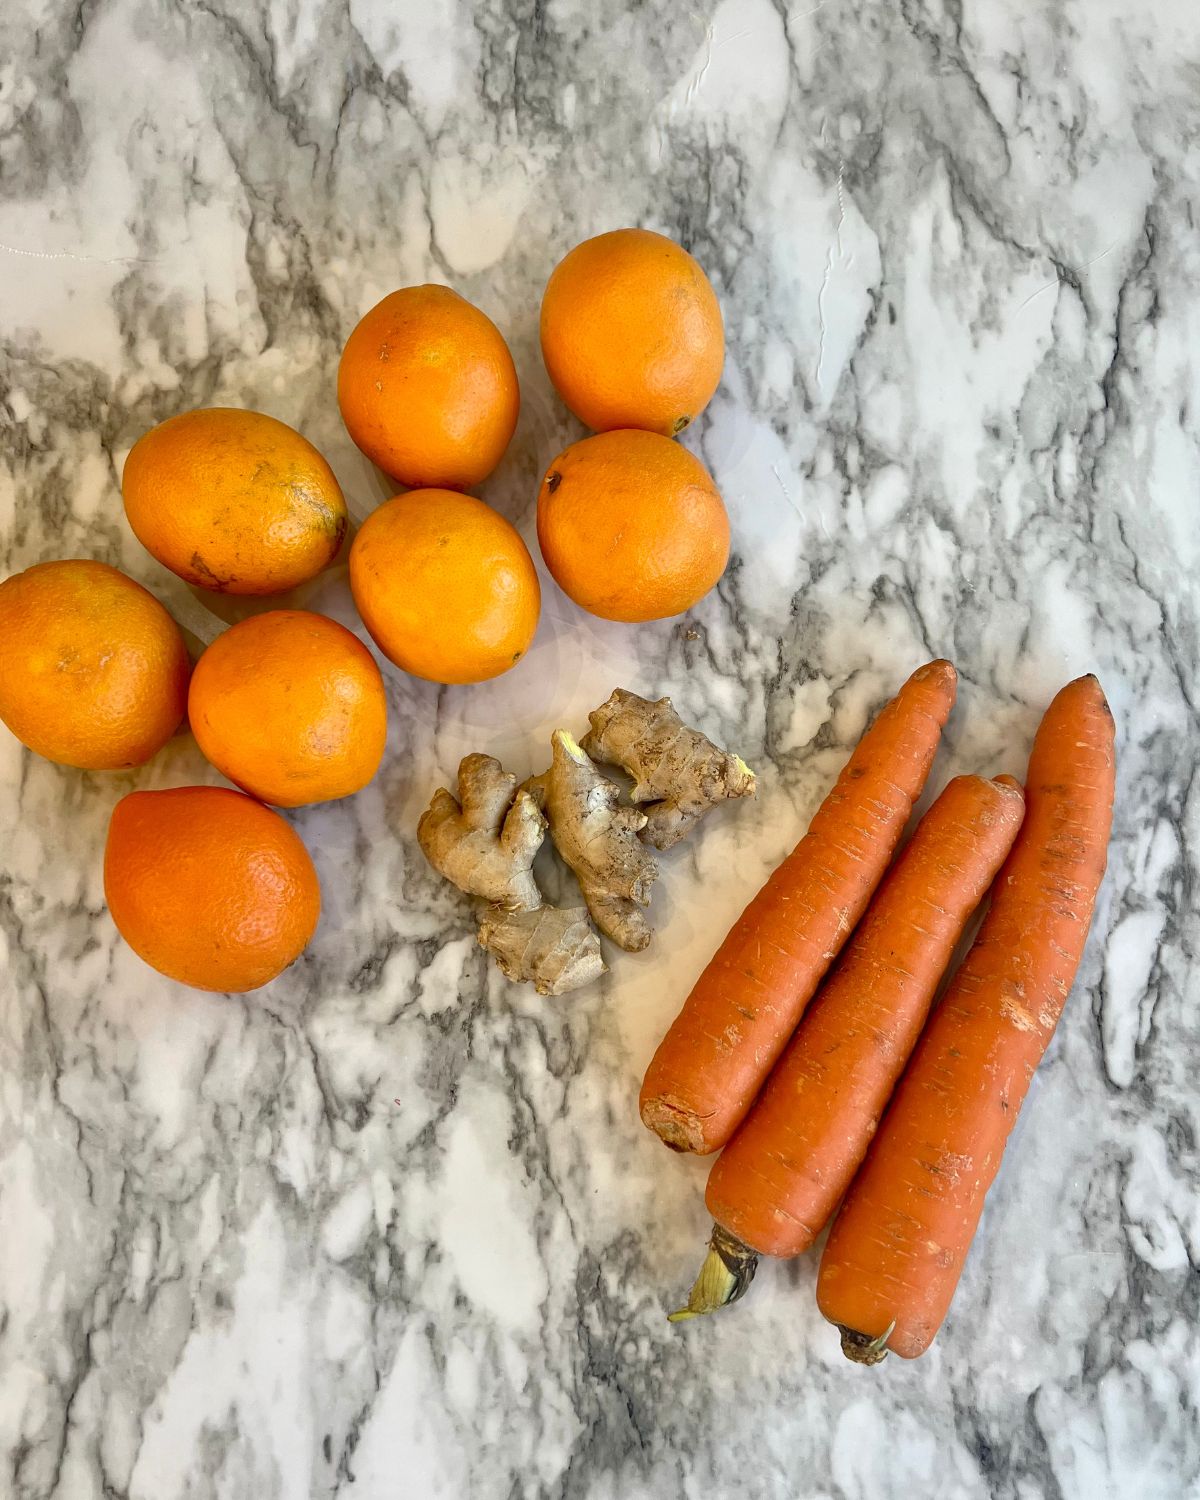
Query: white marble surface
point(390, 1228)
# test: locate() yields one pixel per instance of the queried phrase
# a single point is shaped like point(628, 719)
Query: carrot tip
point(677, 1128)
point(861, 1348)
point(939, 668)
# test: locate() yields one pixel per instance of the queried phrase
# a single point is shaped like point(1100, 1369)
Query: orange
point(632, 526)
point(233, 501)
point(93, 670)
point(209, 887)
point(632, 333)
point(291, 707)
point(428, 389)
point(446, 587)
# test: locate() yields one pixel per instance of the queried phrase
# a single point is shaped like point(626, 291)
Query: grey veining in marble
point(390, 1228)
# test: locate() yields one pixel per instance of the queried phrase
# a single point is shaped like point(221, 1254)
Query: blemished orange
point(428, 389)
point(291, 707)
point(632, 526)
point(233, 501)
point(93, 670)
point(632, 333)
point(445, 586)
point(209, 887)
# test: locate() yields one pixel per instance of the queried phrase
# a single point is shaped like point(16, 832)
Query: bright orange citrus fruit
point(632, 526)
point(93, 670)
point(209, 887)
point(632, 333)
point(428, 389)
point(233, 501)
point(290, 706)
point(445, 586)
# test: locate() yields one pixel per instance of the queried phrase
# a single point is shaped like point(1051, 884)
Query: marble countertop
point(390, 1227)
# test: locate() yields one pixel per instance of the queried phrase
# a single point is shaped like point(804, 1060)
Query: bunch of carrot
point(798, 1104)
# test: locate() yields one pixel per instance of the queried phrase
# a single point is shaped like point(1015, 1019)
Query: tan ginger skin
point(679, 774)
point(598, 838)
point(484, 841)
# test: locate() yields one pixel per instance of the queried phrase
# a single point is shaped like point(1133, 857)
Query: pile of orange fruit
point(209, 885)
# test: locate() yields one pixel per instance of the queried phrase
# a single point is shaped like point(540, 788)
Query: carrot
point(779, 1179)
point(745, 1006)
point(775, 1185)
point(897, 1247)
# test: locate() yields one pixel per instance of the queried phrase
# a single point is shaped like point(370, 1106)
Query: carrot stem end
point(861, 1348)
point(727, 1272)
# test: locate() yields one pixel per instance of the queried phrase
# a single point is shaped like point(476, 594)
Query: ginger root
point(598, 838)
point(555, 947)
point(484, 842)
point(679, 772)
